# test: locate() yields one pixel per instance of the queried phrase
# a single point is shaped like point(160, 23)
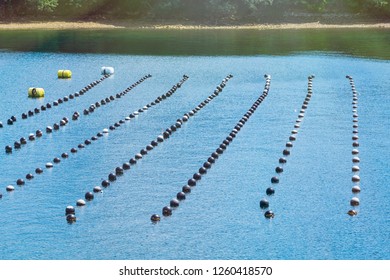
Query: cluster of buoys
point(264, 203)
point(64, 121)
point(186, 189)
point(112, 177)
point(126, 166)
point(355, 201)
point(111, 98)
point(64, 74)
point(55, 103)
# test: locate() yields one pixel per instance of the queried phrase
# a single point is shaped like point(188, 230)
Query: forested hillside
point(208, 11)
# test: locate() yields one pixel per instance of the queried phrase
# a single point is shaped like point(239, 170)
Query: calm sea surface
point(221, 218)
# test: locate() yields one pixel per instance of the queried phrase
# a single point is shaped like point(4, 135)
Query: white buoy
point(49, 165)
point(355, 201)
point(355, 168)
point(80, 202)
point(356, 159)
point(355, 178)
point(356, 189)
point(105, 130)
point(10, 188)
point(107, 70)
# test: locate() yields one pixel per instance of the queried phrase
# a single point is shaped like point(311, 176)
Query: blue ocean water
point(221, 218)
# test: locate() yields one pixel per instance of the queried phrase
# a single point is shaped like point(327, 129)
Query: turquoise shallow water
point(221, 218)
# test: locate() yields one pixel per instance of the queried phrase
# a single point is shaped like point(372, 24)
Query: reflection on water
point(364, 43)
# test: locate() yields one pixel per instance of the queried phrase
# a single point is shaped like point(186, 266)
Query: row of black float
point(65, 120)
point(119, 170)
point(355, 152)
point(55, 103)
point(175, 202)
point(264, 203)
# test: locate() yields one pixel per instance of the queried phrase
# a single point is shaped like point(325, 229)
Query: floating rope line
point(55, 103)
point(70, 210)
point(355, 201)
point(174, 203)
point(264, 203)
point(64, 121)
point(65, 155)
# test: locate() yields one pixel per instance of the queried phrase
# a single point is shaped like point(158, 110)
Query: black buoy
point(192, 182)
point(167, 211)
point(56, 160)
point(39, 170)
point(186, 189)
point(197, 176)
point(29, 176)
point(69, 210)
point(202, 170)
point(119, 170)
point(174, 203)
point(132, 161)
point(270, 191)
point(181, 196)
point(149, 147)
point(8, 149)
point(155, 218)
point(282, 160)
point(126, 166)
point(269, 214)
point(275, 180)
point(105, 183)
point(286, 152)
point(111, 177)
point(215, 155)
point(64, 155)
point(20, 182)
point(264, 204)
point(278, 169)
point(71, 218)
point(89, 196)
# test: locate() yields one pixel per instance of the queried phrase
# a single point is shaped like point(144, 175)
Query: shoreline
point(90, 25)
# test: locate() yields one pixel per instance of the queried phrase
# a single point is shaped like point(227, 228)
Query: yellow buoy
point(64, 74)
point(36, 92)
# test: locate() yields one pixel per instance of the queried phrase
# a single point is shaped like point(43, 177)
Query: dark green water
point(372, 43)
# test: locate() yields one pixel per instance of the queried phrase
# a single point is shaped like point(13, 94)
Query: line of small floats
point(355, 201)
point(186, 189)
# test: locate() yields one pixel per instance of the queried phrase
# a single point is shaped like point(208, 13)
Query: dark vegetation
point(198, 11)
